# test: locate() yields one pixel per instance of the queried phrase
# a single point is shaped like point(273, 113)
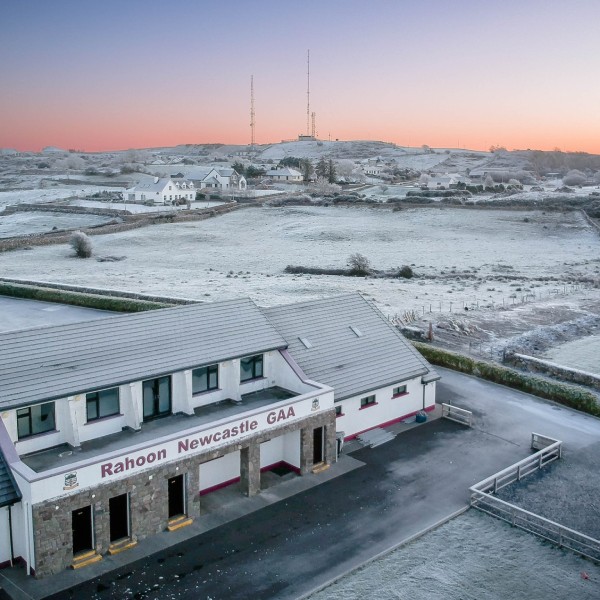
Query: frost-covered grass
point(471, 557)
point(458, 256)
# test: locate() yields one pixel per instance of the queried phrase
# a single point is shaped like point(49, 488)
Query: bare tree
point(359, 264)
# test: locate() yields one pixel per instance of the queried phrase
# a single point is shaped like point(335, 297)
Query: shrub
point(359, 264)
point(406, 272)
point(569, 395)
point(82, 244)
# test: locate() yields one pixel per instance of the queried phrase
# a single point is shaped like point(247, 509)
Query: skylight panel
point(305, 342)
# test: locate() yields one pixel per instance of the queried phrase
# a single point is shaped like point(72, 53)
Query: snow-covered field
point(45, 195)
point(25, 223)
point(142, 208)
point(462, 257)
point(582, 354)
point(469, 558)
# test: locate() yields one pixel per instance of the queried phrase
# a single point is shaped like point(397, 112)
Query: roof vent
point(356, 330)
point(305, 342)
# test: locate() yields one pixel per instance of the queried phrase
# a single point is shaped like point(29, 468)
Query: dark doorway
point(176, 496)
point(82, 529)
point(119, 517)
point(317, 445)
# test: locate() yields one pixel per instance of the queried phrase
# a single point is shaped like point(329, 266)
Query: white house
point(373, 170)
point(208, 177)
point(161, 191)
point(285, 174)
point(115, 429)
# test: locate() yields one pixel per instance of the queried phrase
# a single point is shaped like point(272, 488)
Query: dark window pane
point(23, 428)
point(148, 395)
point(164, 395)
point(199, 380)
point(246, 369)
point(109, 402)
point(258, 370)
point(92, 406)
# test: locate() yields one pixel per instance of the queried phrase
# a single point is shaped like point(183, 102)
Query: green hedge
point(569, 395)
point(113, 303)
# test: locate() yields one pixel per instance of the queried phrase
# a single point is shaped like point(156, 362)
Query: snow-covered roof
point(285, 171)
point(158, 185)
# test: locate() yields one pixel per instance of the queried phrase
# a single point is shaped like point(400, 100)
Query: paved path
point(406, 485)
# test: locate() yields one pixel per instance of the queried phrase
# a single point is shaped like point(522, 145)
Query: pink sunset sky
point(130, 74)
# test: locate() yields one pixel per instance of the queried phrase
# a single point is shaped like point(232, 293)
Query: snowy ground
point(460, 256)
point(582, 354)
point(45, 195)
point(447, 563)
point(142, 208)
point(25, 223)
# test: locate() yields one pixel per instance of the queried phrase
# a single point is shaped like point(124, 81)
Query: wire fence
point(458, 306)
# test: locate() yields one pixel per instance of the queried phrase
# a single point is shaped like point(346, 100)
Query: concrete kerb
point(383, 553)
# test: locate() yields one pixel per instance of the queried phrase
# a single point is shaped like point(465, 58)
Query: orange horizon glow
point(449, 75)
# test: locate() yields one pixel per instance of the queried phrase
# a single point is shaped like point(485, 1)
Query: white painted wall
point(219, 470)
point(291, 448)
point(356, 420)
point(271, 452)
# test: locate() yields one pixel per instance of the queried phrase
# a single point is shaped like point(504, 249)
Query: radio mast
point(252, 121)
point(308, 93)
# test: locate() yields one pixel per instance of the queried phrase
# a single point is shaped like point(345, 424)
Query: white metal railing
point(557, 534)
point(521, 469)
point(460, 415)
point(483, 499)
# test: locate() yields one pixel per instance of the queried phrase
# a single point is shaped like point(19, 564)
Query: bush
point(569, 395)
point(82, 244)
point(359, 264)
point(406, 272)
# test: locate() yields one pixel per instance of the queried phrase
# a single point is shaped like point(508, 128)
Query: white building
point(373, 170)
point(224, 178)
point(115, 429)
point(161, 191)
point(286, 174)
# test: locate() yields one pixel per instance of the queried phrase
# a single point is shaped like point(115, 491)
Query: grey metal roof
point(352, 364)
point(9, 490)
point(53, 362)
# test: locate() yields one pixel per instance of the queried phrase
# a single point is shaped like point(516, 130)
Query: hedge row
point(563, 393)
point(77, 298)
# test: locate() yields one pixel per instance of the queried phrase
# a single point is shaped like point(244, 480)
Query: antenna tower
point(252, 121)
point(307, 92)
point(314, 129)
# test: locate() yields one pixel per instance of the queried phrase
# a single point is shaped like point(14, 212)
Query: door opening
point(176, 496)
point(81, 523)
point(318, 445)
point(119, 517)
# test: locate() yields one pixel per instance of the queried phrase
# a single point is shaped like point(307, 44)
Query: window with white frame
point(205, 379)
point(399, 390)
point(104, 403)
point(34, 420)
